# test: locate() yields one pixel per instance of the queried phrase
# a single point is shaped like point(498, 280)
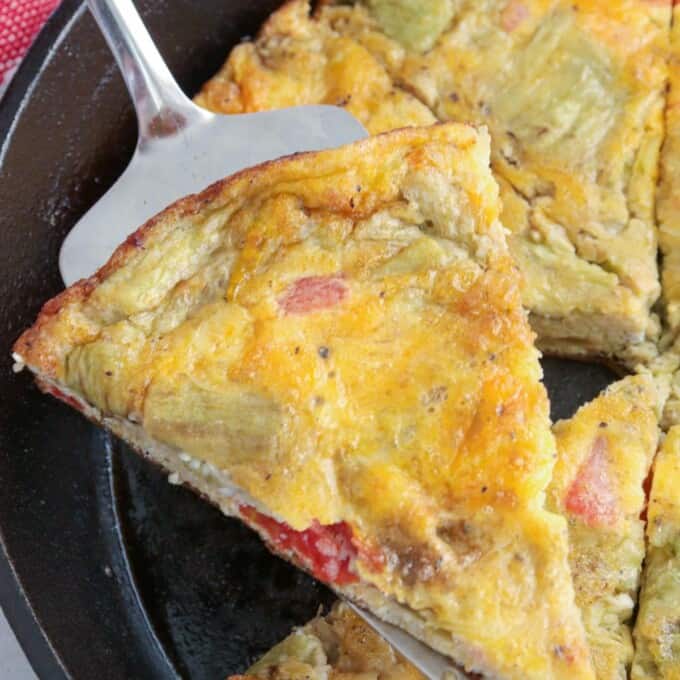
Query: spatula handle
point(162, 108)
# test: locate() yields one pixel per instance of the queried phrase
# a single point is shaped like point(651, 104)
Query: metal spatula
point(181, 148)
point(430, 663)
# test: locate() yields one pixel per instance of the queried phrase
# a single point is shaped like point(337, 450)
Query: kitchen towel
point(20, 22)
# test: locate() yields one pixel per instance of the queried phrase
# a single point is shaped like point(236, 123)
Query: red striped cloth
point(20, 22)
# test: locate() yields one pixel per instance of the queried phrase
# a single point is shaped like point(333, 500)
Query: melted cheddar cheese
point(573, 95)
point(340, 335)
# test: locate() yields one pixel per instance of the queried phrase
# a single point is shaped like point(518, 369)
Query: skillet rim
point(42, 656)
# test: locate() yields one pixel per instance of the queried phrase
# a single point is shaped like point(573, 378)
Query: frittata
point(604, 455)
point(332, 347)
point(573, 94)
point(657, 628)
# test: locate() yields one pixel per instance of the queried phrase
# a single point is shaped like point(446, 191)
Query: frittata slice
point(332, 347)
point(604, 455)
point(657, 628)
point(573, 94)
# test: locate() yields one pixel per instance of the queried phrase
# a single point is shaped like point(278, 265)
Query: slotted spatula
point(182, 149)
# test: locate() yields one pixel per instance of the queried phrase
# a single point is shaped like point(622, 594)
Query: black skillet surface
point(106, 571)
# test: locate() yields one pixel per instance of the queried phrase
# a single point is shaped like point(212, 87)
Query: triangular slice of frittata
point(332, 347)
point(605, 452)
point(657, 628)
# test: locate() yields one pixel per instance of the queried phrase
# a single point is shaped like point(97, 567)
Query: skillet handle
point(162, 108)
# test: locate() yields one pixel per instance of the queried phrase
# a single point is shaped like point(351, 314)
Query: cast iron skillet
point(107, 571)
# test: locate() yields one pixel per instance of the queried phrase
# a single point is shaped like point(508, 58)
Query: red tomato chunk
point(326, 550)
point(313, 293)
point(71, 401)
point(591, 495)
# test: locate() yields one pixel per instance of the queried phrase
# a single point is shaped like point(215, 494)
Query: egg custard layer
point(573, 94)
point(332, 347)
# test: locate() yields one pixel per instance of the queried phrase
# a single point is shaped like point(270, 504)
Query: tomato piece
point(312, 293)
point(513, 15)
point(67, 399)
point(591, 495)
point(327, 551)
